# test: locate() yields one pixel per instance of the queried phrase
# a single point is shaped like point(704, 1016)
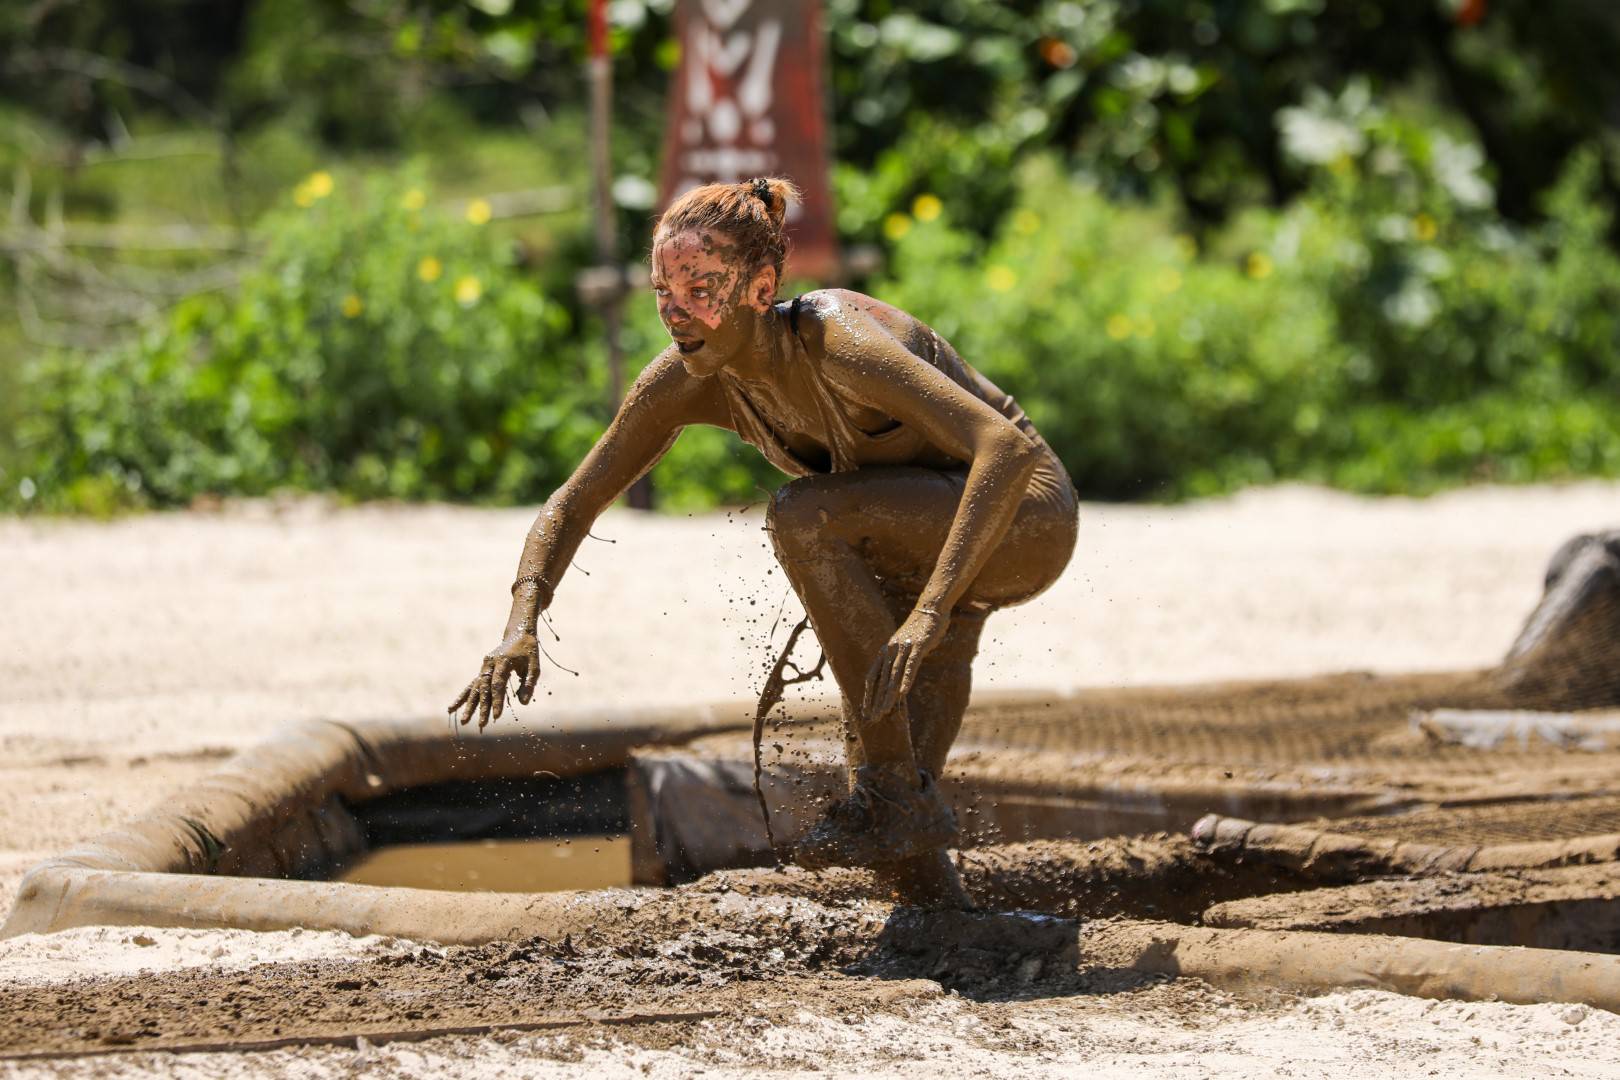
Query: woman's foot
point(929, 881)
point(884, 819)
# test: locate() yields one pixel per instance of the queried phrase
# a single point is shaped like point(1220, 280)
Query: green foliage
point(1204, 243)
point(381, 349)
point(1148, 369)
point(1382, 335)
point(1137, 92)
point(1144, 95)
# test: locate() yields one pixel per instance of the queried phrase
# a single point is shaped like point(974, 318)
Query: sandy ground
point(135, 655)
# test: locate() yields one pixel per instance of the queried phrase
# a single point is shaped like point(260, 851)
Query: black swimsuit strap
point(793, 315)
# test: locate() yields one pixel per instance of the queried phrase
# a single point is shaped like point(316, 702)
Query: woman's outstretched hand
point(485, 696)
point(895, 671)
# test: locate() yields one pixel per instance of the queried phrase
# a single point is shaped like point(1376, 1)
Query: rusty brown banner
point(746, 101)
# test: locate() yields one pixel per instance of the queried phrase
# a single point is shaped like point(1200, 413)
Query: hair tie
point(762, 191)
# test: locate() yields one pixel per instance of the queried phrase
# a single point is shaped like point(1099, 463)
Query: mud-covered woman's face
point(701, 288)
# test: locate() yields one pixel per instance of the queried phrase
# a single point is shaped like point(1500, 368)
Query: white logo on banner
point(728, 133)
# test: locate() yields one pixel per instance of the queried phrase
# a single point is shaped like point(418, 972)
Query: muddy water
point(531, 865)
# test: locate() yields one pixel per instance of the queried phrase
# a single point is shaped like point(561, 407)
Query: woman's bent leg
point(819, 527)
point(857, 548)
point(937, 704)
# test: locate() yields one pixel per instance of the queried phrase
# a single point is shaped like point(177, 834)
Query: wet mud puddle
point(547, 864)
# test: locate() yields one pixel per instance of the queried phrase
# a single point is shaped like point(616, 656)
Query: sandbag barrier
point(1320, 962)
point(1562, 894)
point(1327, 856)
point(280, 810)
point(1596, 731)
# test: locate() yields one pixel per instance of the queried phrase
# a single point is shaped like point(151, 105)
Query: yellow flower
point(1168, 280)
point(1424, 228)
point(1000, 278)
point(414, 199)
point(1186, 247)
point(429, 268)
point(1026, 222)
point(479, 211)
point(1258, 265)
point(468, 290)
point(1118, 326)
point(352, 306)
point(313, 188)
point(927, 207)
point(896, 225)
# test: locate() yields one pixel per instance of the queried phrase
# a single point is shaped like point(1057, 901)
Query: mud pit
point(1076, 807)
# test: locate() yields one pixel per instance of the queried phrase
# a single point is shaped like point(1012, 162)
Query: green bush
point(1387, 332)
point(1439, 299)
point(1149, 369)
point(381, 349)
point(1384, 334)
point(1476, 350)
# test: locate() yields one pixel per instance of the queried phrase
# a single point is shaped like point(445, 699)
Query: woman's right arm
point(663, 400)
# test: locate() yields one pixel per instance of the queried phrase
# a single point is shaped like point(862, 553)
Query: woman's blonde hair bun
point(753, 213)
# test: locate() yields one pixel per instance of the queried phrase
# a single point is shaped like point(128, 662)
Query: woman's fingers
point(485, 696)
point(486, 700)
point(874, 683)
point(531, 676)
point(897, 676)
point(471, 703)
point(497, 687)
point(908, 677)
point(892, 664)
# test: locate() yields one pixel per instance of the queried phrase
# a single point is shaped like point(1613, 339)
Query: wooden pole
point(607, 255)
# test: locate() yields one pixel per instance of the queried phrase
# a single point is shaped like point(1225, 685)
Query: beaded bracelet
point(533, 579)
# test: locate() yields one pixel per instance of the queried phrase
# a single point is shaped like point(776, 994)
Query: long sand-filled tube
point(1324, 855)
point(65, 897)
point(273, 805)
point(1303, 960)
point(57, 898)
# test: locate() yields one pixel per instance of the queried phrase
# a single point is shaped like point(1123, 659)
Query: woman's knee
point(1031, 558)
point(799, 517)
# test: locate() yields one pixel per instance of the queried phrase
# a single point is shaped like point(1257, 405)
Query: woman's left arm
point(865, 359)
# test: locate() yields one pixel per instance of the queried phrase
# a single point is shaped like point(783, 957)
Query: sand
point(1178, 1031)
point(137, 654)
point(92, 952)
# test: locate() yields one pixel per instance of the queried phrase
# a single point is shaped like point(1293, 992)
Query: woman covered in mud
point(923, 500)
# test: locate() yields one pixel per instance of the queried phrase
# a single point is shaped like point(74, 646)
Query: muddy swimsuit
point(825, 441)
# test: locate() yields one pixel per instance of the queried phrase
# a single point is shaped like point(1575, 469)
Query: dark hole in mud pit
point(543, 834)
